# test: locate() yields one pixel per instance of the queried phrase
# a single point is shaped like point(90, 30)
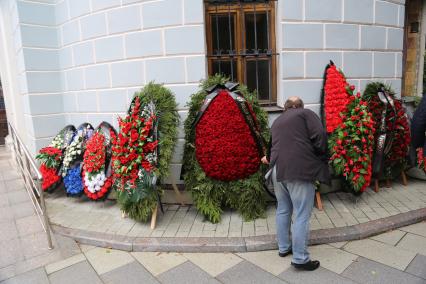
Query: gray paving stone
point(129, 274)
point(29, 225)
point(362, 220)
point(3, 188)
point(67, 246)
point(414, 243)
point(418, 229)
point(418, 266)
point(188, 221)
point(338, 222)
point(245, 272)
point(248, 229)
point(222, 228)
point(8, 231)
point(23, 210)
point(10, 175)
point(7, 272)
point(186, 273)
point(367, 271)
point(377, 251)
point(4, 201)
point(175, 222)
point(17, 197)
point(81, 273)
point(382, 212)
point(14, 185)
point(11, 252)
point(391, 238)
point(162, 223)
point(321, 275)
point(34, 245)
point(208, 234)
point(6, 214)
point(197, 226)
point(37, 276)
point(36, 262)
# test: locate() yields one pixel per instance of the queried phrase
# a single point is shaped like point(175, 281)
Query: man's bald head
point(293, 102)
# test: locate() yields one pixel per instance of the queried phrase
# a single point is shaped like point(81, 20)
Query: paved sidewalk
point(398, 256)
point(23, 243)
point(340, 210)
point(394, 257)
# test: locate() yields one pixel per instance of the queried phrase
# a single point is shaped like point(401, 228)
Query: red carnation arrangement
point(50, 177)
point(134, 147)
point(225, 148)
point(337, 97)
point(351, 130)
point(396, 125)
point(351, 145)
point(96, 184)
point(94, 156)
point(50, 159)
point(401, 138)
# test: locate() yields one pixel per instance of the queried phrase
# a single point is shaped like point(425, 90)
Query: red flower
point(224, 146)
point(134, 135)
point(347, 158)
point(94, 162)
point(50, 177)
point(130, 147)
point(336, 98)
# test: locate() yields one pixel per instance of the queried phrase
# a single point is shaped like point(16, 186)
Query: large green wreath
point(210, 195)
point(168, 121)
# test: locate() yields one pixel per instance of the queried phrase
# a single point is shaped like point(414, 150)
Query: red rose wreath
point(219, 150)
point(224, 134)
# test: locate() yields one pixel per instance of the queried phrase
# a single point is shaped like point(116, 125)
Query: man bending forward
point(298, 158)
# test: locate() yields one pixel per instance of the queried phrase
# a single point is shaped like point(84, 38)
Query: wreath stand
point(318, 202)
point(389, 182)
point(179, 198)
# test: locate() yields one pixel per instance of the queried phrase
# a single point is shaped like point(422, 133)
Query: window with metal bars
point(241, 43)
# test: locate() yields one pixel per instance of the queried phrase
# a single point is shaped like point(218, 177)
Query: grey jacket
point(299, 147)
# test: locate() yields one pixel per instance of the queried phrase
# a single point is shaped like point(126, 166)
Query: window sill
point(273, 109)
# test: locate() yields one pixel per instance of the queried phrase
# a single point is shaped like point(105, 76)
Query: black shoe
point(284, 254)
point(309, 266)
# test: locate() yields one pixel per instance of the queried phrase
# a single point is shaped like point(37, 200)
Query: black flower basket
point(66, 135)
point(105, 129)
point(85, 130)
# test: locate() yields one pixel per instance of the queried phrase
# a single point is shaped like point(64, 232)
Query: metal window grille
point(241, 43)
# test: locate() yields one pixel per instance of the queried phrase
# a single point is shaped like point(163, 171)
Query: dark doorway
point(3, 118)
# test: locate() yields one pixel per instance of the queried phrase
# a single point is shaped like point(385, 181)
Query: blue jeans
point(294, 197)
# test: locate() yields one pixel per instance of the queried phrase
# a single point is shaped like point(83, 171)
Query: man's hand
point(264, 160)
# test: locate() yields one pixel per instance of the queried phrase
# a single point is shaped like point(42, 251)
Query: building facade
point(72, 61)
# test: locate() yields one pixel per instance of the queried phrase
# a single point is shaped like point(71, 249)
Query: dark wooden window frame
point(239, 9)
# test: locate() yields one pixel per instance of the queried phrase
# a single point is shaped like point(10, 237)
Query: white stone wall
point(363, 37)
point(82, 60)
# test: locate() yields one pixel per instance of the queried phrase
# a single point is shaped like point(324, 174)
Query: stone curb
point(238, 244)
